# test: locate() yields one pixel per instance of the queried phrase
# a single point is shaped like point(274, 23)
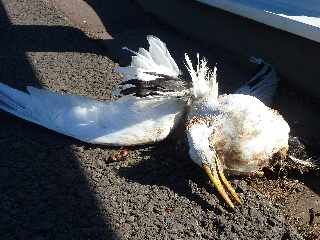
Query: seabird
point(236, 132)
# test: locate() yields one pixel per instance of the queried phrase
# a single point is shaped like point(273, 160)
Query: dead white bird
point(235, 132)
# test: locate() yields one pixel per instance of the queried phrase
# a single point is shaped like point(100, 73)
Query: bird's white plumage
point(129, 120)
point(240, 129)
point(236, 132)
point(217, 125)
point(203, 79)
point(259, 129)
point(126, 121)
point(157, 60)
point(199, 148)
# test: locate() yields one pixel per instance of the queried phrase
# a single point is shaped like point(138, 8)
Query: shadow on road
point(44, 193)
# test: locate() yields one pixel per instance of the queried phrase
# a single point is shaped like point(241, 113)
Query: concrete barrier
point(296, 58)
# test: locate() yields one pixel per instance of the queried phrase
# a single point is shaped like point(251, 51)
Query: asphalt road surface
point(55, 187)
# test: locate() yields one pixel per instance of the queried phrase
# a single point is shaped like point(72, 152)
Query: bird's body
point(245, 134)
point(236, 132)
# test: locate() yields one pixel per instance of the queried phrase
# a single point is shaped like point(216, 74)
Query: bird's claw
point(217, 176)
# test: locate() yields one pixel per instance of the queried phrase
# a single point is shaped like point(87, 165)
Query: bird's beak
point(215, 175)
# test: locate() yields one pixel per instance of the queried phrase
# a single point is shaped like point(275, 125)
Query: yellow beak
point(215, 175)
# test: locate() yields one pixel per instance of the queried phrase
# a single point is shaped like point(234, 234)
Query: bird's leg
point(215, 174)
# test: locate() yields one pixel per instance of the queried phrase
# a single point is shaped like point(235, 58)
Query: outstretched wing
point(152, 72)
point(127, 121)
point(157, 60)
point(263, 84)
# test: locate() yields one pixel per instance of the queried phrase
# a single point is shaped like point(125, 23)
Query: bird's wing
point(263, 84)
point(155, 60)
point(126, 121)
point(151, 72)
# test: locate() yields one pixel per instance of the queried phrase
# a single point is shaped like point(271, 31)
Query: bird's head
point(204, 155)
point(204, 82)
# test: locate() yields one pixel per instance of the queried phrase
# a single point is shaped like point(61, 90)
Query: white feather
point(199, 148)
point(157, 60)
point(127, 121)
point(204, 81)
point(253, 127)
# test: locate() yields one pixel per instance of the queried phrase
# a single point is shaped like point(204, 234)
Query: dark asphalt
point(55, 187)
